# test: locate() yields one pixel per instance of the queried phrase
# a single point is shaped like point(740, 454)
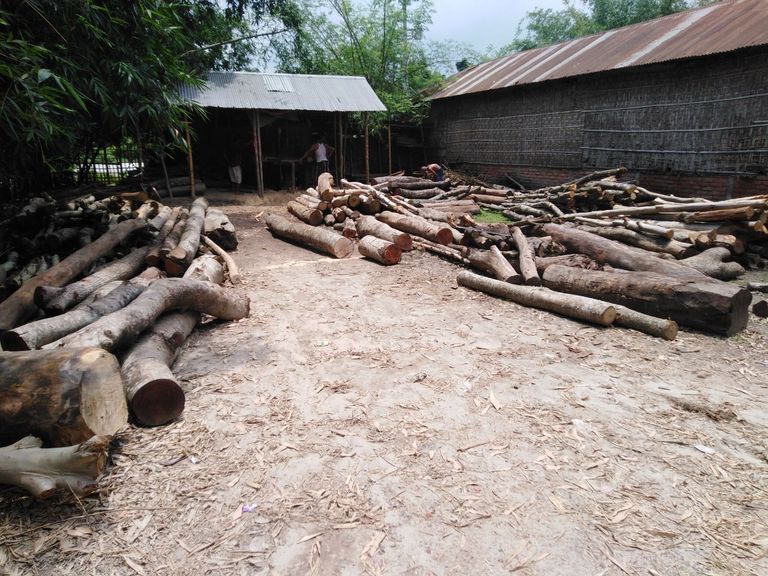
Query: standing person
point(234, 164)
point(321, 152)
point(434, 172)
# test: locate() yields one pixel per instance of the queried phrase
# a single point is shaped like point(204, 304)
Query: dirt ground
point(371, 420)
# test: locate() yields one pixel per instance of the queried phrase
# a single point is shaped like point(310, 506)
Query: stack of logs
point(92, 338)
point(651, 261)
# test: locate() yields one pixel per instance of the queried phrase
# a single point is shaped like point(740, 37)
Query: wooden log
point(182, 255)
point(369, 226)
point(494, 262)
point(760, 309)
point(329, 220)
point(233, 271)
point(218, 228)
point(713, 263)
point(349, 229)
point(706, 241)
point(120, 328)
point(55, 241)
point(58, 300)
point(418, 194)
point(667, 208)
point(417, 226)
point(339, 201)
point(618, 255)
point(705, 305)
point(20, 305)
point(325, 186)
point(319, 238)
point(310, 201)
point(41, 332)
point(172, 239)
point(650, 243)
point(369, 205)
point(63, 397)
point(154, 395)
point(452, 254)
point(726, 214)
point(527, 258)
point(757, 286)
point(577, 307)
point(659, 327)
point(311, 216)
point(339, 215)
point(44, 472)
point(379, 250)
point(153, 255)
point(572, 260)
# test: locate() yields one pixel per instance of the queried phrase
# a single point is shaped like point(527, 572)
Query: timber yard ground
point(371, 420)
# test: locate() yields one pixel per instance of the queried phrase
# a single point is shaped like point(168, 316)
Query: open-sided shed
point(276, 116)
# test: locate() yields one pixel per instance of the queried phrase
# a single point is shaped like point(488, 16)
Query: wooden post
point(389, 147)
point(256, 122)
point(261, 163)
point(367, 159)
point(341, 147)
point(336, 144)
point(191, 161)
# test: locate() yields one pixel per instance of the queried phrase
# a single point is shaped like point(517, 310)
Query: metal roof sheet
point(253, 91)
point(722, 27)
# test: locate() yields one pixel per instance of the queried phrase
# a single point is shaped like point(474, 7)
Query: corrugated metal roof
point(722, 27)
point(252, 91)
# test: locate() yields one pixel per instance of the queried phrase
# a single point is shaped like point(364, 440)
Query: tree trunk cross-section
point(61, 396)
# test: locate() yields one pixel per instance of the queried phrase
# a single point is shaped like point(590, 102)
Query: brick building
point(682, 101)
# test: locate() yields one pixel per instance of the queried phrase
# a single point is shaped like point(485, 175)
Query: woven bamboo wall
point(704, 116)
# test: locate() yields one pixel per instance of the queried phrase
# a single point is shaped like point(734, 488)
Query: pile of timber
point(92, 339)
point(659, 260)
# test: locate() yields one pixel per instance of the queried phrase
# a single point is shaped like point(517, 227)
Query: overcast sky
point(482, 22)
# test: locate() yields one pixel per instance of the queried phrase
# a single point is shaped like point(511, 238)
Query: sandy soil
point(371, 420)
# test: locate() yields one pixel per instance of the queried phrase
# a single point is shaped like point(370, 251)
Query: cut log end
point(158, 402)
point(760, 309)
point(12, 341)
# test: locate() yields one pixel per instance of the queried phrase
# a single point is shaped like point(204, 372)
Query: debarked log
point(706, 305)
point(417, 226)
point(63, 397)
point(578, 307)
point(379, 250)
point(321, 239)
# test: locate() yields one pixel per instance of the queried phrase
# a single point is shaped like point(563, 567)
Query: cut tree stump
point(417, 226)
point(20, 305)
point(154, 395)
point(180, 257)
point(44, 472)
point(370, 226)
point(122, 327)
point(577, 307)
point(705, 305)
point(321, 239)
point(379, 250)
point(63, 397)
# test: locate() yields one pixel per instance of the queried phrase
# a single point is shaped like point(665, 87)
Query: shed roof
point(256, 91)
point(721, 27)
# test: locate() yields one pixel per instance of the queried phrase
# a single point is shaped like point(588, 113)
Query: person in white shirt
point(320, 152)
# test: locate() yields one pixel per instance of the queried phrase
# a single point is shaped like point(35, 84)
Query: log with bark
point(702, 304)
point(493, 262)
point(218, 228)
point(63, 397)
point(418, 227)
point(319, 238)
point(325, 186)
point(182, 255)
point(578, 307)
point(122, 327)
point(527, 258)
point(760, 309)
point(311, 216)
point(650, 243)
point(757, 286)
point(714, 263)
point(154, 395)
point(379, 250)
point(233, 271)
point(349, 229)
point(20, 305)
point(153, 255)
point(173, 237)
point(40, 332)
point(44, 472)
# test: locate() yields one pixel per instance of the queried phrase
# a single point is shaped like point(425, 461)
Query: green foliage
point(382, 41)
point(543, 27)
point(487, 216)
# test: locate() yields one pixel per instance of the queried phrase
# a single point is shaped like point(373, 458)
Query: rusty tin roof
point(721, 27)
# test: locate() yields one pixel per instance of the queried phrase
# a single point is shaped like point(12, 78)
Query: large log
point(154, 395)
point(379, 250)
point(180, 257)
point(40, 332)
point(569, 305)
point(527, 258)
point(153, 255)
point(325, 186)
point(172, 239)
point(650, 243)
point(122, 327)
point(418, 193)
point(713, 263)
point(319, 238)
point(63, 397)
point(369, 226)
point(705, 305)
point(47, 471)
point(219, 228)
point(20, 305)
point(417, 226)
point(493, 262)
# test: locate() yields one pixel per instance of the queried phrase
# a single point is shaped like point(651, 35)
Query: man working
point(434, 172)
point(322, 152)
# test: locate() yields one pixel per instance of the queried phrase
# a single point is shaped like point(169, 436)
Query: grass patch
point(487, 216)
